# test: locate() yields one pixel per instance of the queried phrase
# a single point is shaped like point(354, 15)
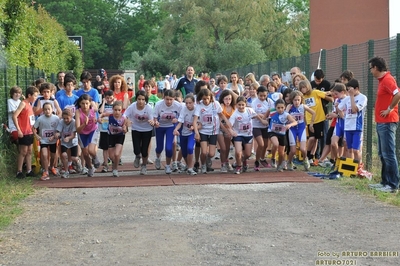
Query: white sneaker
point(204, 169)
point(168, 169)
point(65, 174)
point(229, 166)
point(190, 171)
point(115, 173)
point(387, 189)
point(158, 163)
point(90, 172)
point(149, 161)
point(224, 169)
point(174, 167)
point(84, 171)
point(143, 170)
point(136, 163)
point(182, 167)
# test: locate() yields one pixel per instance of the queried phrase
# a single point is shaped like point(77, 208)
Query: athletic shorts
point(51, 147)
point(260, 132)
point(74, 150)
point(211, 139)
point(243, 139)
point(318, 130)
point(26, 140)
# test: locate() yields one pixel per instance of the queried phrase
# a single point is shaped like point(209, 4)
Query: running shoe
point(136, 162)
point(158, 163)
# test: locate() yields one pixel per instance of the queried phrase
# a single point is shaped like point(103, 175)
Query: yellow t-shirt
point(313, 100)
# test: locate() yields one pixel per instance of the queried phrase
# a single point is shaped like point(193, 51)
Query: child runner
point(185, 121)
point(280, 122)
point(106, 109)
point(117, 128)
point(24, 119)
point(66, 131)
point(141, 115)
point(298, 133)
point(86, 126)
point(209, 113)
point(166, 113)
point(242, 124)
point(46, 91)
point(261, 106)
point(228, 103)
point(354, 106)
point(47, 127)
point(12, 105)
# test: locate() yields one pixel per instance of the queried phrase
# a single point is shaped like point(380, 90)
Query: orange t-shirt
point(26, 119)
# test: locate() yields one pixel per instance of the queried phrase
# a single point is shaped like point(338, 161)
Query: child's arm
point(125, 102)
point(37, 109)
point(313, 114)
point(328, 98)
point(354, 108)
point(101, 110)
point(58, 109)
point(292, 121)
point(196, 128)
point(176, 130)
point(15, 118)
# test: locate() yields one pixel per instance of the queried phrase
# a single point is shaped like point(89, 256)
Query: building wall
point(337, 22)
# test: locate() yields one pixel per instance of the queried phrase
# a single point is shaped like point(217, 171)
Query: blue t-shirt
point(92, 93)
point(187, 84)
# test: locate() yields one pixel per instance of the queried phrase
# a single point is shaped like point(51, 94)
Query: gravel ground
point(258, 224)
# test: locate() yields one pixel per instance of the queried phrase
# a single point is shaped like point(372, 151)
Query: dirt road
point(265, 224)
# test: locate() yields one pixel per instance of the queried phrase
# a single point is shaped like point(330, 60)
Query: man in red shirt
point(386, 117)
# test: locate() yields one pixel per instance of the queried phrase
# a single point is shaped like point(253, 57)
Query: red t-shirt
point(387, 88)
point(26, 119)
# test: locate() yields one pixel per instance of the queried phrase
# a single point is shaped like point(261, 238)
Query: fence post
point(323, 60)
point(269, 67)
point(307, 65)
point(370, 107)
point(26, 78)
point(397, 72)
point(17, 76)
point(344, 57)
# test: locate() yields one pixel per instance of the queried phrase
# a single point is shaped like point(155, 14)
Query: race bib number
point(310, 102)
point(298, 117)
point(187, 124)
point(142, 118)
point(66, 134)
point(32, 120)
point(244, 127)
point(47, 133)
point(207, 119)
point(115, 129)
point(278, 128)
point(167, 116)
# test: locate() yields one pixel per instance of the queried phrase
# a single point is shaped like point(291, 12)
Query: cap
point(353, 83)
point(167, 76)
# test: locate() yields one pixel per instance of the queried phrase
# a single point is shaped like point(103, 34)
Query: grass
point(12, 191)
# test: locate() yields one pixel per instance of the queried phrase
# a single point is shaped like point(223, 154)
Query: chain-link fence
point(334, 62)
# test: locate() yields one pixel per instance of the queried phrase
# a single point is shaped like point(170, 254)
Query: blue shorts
point(243, 139)
point(86, 139)
point(353, 139)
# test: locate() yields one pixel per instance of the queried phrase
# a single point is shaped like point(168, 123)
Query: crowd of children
point(71, 124)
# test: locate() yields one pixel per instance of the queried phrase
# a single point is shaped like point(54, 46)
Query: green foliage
point(35, 39)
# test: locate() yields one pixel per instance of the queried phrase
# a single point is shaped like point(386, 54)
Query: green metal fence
point(334, 62)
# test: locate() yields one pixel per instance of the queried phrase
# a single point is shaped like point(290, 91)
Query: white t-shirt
point(12, 105)
point(186, 118)
point(140, 118)
point(165, 114)
point(354, 121)
point(242, 123)
point(47, 128)
point(261, 107)
point(208, 117)
point(66, 131)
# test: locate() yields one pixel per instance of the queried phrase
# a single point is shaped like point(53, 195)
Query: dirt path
point(266, 224)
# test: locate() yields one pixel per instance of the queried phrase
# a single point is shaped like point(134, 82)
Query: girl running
point(298, 133)
point(242, 124)
point(228, 102)
point(280, 122)
point(209, 113)
point(86, 126)
point(141, 115)
point(117, 128)
point(166, 114)
point(185, 121)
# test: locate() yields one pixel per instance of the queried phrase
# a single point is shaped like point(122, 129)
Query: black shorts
point(281, 138)
point(211, 139)
point(73, 150)
point(104, 141)
point(243, 139)
point(318, 130)
point(260, 132)
point(51, 147)
point(26, 140)
point(116, 139)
